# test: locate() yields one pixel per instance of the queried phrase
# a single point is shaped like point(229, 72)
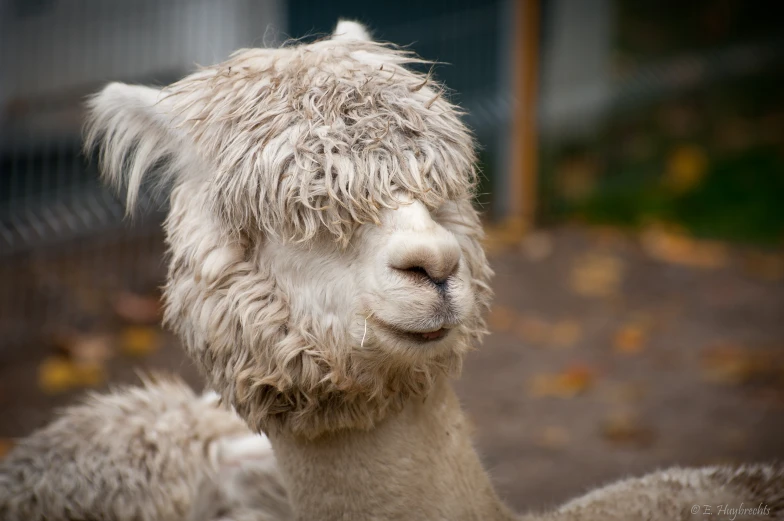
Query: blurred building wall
point(60, 50)
point(576, 83)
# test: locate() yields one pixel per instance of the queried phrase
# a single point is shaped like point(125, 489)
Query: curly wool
point(295, 373)
point(321, 136)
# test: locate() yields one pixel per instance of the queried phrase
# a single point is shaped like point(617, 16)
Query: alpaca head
point(325, 257)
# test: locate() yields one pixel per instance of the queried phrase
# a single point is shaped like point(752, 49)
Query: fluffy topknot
point(322, 136)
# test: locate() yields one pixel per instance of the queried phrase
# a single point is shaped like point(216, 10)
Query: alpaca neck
point(418, 464)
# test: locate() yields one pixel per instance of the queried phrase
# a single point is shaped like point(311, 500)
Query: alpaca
point(327, 277)
point(149, 453)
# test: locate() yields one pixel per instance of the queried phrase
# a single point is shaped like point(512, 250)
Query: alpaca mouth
point(428, 336)
point(417, 336)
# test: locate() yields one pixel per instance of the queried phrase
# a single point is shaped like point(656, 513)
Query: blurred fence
point(54, 53)
point(65, 247)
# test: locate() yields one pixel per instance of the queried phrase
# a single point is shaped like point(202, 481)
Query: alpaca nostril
point(421, 273)
point(416, 271)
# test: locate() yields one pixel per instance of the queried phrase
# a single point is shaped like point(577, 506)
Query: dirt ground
point(608, 356)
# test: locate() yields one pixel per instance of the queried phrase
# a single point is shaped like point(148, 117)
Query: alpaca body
point(140, 454)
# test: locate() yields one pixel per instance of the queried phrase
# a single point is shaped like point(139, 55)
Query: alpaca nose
point(433, 260)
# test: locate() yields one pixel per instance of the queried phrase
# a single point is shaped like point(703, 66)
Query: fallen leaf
point(573, 381)
point(626, 428)
point(678, 248)
point(553, 438)
point(137, 309)
point(139, 340)
point(727, 365)
point(579, 377)
point(629, 339)
point(5, 447)
point(768, 267)
point(686, 168)
point(735, 365)
point(58, 374)
point(89, 374)
point(596, 275)
point(55, 375)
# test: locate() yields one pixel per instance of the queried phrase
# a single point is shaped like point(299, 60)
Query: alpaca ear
point(134, 129)
point(350, 30)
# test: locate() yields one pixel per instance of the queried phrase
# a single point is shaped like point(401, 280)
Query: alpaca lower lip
point(422, 338)
point(417, 336)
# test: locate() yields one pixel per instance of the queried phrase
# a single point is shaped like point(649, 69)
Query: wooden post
point(524, 131)
point(523, 144)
